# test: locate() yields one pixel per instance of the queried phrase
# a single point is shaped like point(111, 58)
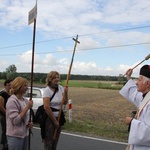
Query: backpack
point(41, 116)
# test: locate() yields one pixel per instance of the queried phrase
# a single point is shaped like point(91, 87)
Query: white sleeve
point(129, 91)
point(46, 92)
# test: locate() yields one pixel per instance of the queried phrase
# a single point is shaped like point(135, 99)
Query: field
point(97, 112)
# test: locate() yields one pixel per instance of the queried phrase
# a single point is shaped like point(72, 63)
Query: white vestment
point(139, 135)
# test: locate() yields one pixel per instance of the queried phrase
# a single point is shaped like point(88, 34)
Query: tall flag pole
point(67, 80)
point(32, 18)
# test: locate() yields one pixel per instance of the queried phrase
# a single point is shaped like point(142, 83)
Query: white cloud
point(27, 57)
point(85, 68)
point(4, 65)
point(68, 18)
point(87, 43)
point(123, 68)
point(49, 60)
point(126, 11)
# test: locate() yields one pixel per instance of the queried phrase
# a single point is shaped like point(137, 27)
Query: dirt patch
point(102, 112)
point(107, 105)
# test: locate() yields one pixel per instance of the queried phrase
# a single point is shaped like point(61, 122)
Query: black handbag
point(41, 116)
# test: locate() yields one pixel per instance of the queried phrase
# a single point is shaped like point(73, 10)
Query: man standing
point(4, 95)
point(139, 94)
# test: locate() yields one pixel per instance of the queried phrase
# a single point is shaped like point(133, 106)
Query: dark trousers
point(3, 135)
point(49, 143)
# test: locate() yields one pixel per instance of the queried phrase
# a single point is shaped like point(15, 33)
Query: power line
point(105, 47)
point(119, 30)
point(117, 46)
point(31, 43)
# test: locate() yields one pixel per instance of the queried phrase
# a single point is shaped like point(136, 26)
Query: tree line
point(11, 73)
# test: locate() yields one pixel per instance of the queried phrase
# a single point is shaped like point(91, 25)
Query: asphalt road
point(76, 142)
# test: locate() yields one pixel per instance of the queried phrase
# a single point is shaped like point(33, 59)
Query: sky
point(114, 36)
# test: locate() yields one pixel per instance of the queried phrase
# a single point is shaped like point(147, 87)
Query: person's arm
point(129, 91)
point(128, 122)
point(128, 74)
point(13, 109)
point(24, 111)
point(46, 101)
point(2, 109)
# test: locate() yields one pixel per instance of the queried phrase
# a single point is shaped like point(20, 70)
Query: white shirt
point(56, 101)
point(139, 135)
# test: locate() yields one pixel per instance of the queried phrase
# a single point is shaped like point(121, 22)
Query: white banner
point(32, 14)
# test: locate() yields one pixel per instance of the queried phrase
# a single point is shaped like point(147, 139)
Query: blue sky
point(106, 28)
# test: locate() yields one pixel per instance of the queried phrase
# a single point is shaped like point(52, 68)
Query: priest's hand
point(128, 120)
point(128, 74)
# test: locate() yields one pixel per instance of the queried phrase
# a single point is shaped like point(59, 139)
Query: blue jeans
point(15, 143)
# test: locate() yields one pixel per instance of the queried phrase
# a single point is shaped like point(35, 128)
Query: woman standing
point(17, 116)
point(52, 108)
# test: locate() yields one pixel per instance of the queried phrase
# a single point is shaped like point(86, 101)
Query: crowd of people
point(15, 115)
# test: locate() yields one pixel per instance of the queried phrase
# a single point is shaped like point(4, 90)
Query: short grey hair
point(145, 79)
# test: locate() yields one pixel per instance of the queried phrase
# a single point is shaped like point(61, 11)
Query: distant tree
point(3, 75)
point(120, 78)
point(43, 79)
point(11, 75)
point(11, 68)
point(11, 72)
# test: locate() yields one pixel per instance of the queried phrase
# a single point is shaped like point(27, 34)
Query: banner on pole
point(32, 14)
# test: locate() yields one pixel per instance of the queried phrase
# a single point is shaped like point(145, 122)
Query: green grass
point(98, 129)
point(88, 84)
point(92, 84)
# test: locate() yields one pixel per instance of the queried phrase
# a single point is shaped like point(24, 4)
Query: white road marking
point(92, 138)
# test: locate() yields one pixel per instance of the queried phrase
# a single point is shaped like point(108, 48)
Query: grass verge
point(98, 129)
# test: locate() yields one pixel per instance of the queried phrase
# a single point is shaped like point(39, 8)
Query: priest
point(138, 93)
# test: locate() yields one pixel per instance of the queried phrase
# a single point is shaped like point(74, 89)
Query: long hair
point(18, 85)
point(50, 76)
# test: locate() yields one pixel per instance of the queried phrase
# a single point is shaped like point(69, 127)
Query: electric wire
point(79, 50)
point(113, 46)
point(119, 30)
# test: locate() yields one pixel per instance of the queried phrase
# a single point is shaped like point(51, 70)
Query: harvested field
point(99, 104)
point(104, 110)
